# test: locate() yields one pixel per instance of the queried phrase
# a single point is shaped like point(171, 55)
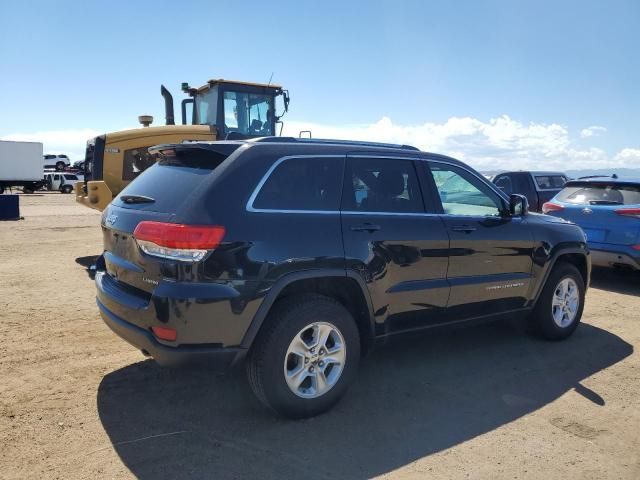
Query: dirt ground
point(482, 402)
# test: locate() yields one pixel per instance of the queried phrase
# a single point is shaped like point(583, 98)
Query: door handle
point(463, 228)
point(365, 227)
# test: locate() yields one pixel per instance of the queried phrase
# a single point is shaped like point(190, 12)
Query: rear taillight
point(188, 243)
point(629, 212)
point(549, 207)
point(636, 247)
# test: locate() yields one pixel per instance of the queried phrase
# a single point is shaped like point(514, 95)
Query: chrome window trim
point(265, 177)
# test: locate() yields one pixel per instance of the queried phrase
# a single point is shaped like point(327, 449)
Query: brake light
point(164, 333)
point(629, 212)
point(189, 243)
point(548, 207)
point(636, 247)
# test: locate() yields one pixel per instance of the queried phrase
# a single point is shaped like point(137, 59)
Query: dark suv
point(298, 255)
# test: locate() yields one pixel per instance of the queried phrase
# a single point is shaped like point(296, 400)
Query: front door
point(391, 240)
point(490, 253)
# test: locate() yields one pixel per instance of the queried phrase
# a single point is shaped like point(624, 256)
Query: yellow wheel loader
point(219, 110)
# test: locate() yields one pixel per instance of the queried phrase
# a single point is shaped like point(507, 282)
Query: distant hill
point(621, 172)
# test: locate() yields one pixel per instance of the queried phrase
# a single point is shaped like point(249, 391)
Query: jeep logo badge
point(111, 219)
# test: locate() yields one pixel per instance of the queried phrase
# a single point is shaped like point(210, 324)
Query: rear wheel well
point(345, 290)
point(577, 260)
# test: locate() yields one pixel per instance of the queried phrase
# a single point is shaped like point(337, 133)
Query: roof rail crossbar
point(332, 141)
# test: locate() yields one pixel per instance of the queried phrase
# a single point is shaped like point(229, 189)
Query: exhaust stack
point(168, 105)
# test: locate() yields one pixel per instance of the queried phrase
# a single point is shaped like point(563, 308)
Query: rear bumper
point(607, 256)
point(216, 357)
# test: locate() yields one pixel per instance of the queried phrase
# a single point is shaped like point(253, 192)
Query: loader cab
point(235, 109)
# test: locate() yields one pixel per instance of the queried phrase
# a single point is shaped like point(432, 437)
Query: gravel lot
point(481, 402)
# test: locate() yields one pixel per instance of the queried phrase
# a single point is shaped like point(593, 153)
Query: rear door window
point(382, 185)
point(309, 183)
point(588, 193)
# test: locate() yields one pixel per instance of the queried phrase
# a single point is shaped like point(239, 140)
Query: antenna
point(270, 78)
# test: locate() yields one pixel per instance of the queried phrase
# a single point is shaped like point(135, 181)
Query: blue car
point(608, 210)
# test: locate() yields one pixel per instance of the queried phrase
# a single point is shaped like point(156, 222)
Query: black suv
point(298, 255)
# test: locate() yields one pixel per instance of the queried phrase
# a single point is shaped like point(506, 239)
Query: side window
point(503, 182)
point(302, 184)
point(136, 161)
point(56, 177)
point(461, 193)
point(382, 185)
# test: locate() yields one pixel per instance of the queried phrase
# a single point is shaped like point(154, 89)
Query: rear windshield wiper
point(136, 199)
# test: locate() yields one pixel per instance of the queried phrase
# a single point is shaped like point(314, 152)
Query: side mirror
point(518, 205)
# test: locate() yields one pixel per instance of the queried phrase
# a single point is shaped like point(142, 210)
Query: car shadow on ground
point(618, 281)
point(411, 399)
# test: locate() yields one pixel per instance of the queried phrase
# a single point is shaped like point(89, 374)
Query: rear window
point(302, 184)
point(71, 177)
point(170, 181)
point(600, 194)
point(548, 182)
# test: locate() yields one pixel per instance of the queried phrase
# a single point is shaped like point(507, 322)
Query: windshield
point(601, 193)
point(248, 113)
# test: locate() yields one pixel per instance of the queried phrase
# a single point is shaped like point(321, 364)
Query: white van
point(61, 182)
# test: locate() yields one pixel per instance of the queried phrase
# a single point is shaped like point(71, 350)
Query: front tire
point(305, 356)
point(559, 308)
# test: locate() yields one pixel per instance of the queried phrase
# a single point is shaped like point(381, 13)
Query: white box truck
point(20, 165)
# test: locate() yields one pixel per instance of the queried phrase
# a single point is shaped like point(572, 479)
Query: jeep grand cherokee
point(296, 256)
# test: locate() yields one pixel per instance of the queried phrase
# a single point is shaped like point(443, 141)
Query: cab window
point(462, 193)
point(503, 182)
point(136, 161)
point(248, 113)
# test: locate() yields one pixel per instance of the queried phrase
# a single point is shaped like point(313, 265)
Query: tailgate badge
point(587, 211)
point(111, 219)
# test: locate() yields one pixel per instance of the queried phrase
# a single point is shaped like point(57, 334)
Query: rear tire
point(559, 308)
point(66, 189)
point(305, 356)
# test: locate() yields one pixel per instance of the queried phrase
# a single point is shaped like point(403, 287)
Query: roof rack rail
point(332, 141)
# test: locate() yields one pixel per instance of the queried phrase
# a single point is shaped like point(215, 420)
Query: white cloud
point(498, 144)
point(501, 143)
point(594, 131)
point(69, 142)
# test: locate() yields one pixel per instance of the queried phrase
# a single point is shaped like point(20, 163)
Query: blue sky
point(490, 81)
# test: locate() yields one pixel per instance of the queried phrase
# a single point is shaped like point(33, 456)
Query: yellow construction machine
point(219, 110)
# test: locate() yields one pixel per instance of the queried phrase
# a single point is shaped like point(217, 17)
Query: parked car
point(296, 256)
point(538, 187)
point(59, 162)
point(62, 182)
point(608, 210)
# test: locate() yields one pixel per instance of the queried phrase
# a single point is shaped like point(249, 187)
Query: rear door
point(159, 194)
point(490, 253)
point(395, 241)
